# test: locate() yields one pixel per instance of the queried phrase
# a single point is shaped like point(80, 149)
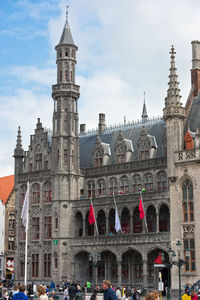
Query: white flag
point(117, 221)
point(24, 214)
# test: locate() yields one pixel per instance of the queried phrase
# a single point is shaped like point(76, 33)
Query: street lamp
point(169, 265)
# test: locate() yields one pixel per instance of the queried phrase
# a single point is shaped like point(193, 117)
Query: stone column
point(107, 225)
point(131, 223)
point(84, 227)
point(157, 222)
point(73, 264)
point(145, 283)
point(119, 271)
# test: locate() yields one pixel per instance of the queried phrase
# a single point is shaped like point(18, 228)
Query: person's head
point(106, 284)
point(153, 295)
point(16, 287)
point(41, 290)
point(22, 288)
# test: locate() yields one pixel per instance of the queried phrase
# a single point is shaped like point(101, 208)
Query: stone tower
point(174, 116)
point(65, 149)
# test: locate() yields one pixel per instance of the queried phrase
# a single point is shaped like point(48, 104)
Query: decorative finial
point(67, 12)
point(144, 97)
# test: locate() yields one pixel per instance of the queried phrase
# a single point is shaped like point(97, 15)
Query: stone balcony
point(187, 156)
point(66, 87)
point(136, 239)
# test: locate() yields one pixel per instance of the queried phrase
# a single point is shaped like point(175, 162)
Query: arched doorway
point(153, 272)
point(132, 268)
point(83, 270)
point(107, 267)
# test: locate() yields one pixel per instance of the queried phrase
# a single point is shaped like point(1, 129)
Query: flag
point(117, 221)
point(91, 218)
point(158, 260)
point(24, 214)
point(141, 208)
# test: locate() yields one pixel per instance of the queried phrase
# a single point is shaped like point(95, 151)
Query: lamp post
point(169, 266)
point(94, 264)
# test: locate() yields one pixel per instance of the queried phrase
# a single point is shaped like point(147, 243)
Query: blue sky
point(123, 51)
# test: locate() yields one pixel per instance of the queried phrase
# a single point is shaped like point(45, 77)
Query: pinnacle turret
point(66, 37)
point(144, 111)
point(19, 140)
point(173, 96)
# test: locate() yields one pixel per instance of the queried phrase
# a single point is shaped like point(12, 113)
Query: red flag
point(91, 218)
point(141, 208)
point(158, 260)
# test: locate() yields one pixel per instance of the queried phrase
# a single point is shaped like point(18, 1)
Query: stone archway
point(132, 268)
point(82, 268)
point(107, 267)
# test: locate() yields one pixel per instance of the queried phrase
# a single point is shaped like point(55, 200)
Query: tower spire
point(173, 96)
point(19, 140)
point(67, 12)
point(66, 37)
point(144, 112)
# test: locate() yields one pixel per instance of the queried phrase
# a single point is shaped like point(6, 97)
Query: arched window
point(124, 185)
point(22, 193)
point(164, 219)
point(47, 192)
point(190, 260)
point(113, 186)
point(89, 229)
point(101, 221)
point(137, 183)
point(162, 181)
point(148, 182)
point(101, 187)
point(188, 209)
point(91, 189)
point(38, 158)
point(111, 222)
point(78, 224)
point(125, 221)
point(66, 75)
point(73, 54)
point(151, 219)
point(66, 52)
point(36, 193)
point(137, 222)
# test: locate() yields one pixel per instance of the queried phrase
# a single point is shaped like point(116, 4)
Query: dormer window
point(120, 155)
point(144, 151)
point(101, 153)
point(98, 159)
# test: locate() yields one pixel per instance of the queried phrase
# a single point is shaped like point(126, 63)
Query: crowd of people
point(73, 291)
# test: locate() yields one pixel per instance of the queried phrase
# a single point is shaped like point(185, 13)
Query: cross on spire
point(67, 12)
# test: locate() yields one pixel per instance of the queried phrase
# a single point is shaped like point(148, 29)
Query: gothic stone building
point(67, 167)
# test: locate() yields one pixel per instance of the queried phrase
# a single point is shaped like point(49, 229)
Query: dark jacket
point(109, 294)
point(19, 296)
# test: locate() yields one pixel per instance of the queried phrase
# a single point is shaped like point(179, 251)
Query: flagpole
point(26, 243)
point(145, 220)
point(94, 217)
point(116, 208)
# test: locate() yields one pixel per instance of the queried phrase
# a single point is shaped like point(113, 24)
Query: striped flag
point(24, 214)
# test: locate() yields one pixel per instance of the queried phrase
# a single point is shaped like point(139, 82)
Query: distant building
point(7, 212)
point(66, 168)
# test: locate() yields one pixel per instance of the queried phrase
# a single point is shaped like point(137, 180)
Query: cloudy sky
point(123, 51)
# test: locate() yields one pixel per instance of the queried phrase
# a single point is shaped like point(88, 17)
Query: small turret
point(18, 155)
point(144, 112)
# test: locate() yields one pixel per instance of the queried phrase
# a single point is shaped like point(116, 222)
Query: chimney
point(102, 123)
point(195, 72)
point(82, 128)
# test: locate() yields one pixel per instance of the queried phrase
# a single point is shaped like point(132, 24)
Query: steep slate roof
point(6, 187)
point(66, 37)
point(155, 129)
point(194, 115)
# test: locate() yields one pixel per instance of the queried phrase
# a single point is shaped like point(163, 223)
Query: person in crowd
point(94, 295)
point(41, 291)
point(15, 289)
point(153, 295)
point(109, 294)
point(123, 290)
point(136, 295)
point(88, 284)
point(66, 293)
point(118, 293)
point(20, 295)
point(194, 295)
point(72, 291)
point(126, 295)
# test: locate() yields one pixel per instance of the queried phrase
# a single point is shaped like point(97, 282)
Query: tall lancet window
point(188, 209)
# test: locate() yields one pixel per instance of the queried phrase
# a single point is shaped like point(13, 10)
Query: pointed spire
point(144, 111)
point(19, 140)
point(66, 37)
point(173, 96)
